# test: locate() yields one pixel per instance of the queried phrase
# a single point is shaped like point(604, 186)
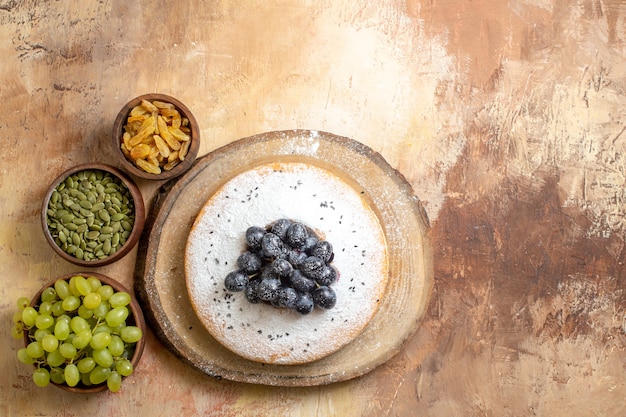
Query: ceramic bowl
point(135, 318)
point(124, 149)
point(93, 215)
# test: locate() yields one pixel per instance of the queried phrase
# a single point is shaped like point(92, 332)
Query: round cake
point(336, 211)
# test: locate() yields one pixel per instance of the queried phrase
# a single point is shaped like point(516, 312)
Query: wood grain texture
point(505, 117)
point(161, 283)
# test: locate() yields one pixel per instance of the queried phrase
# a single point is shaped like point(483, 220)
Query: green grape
point(116, 347)
point(99, 375)
point(100, 340)
point(106, 291)
point(93, 322)
point(45, 308)
point(84, 378)
point(116, 316)
point(81, 284)
point(102, 309)
point(64, 317)
point(119, 299)
point(114, 381)
point(24, 357)
point(102, 328)
point(82, 339)
point(73, 289)
point(57, 375)
point(49, 295)
point(84, 312)
point(55, 358)
point(35, 350)
point(92, 300)
point(117, 329)
point(103, 357)
point(22, 303)
point(128, 352)
point(94, 283)
point(78, 323)
point(41, 377)
point(62, 288)
point(50, 343)
point(57, 308)
point(71, 303)
point(68, 350)
point(131, 334)
point(41, 333)
point(44, 321)
point(72, 376)
point(62, 330)
point(17, 331)
point(86, 365)
point(29, 316)
point(17, 317)
point(124, 367)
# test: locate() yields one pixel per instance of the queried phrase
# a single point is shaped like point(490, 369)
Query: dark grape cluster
point(286, 265)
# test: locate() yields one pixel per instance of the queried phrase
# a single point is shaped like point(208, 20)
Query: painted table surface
point(505, 117)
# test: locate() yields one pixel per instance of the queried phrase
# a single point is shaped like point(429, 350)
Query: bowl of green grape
point(82, 332)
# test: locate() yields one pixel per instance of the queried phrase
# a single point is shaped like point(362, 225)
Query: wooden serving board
point(159, 273)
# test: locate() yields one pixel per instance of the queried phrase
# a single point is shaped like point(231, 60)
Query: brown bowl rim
point(140, 215)
point(118, 126)
point(137, 318)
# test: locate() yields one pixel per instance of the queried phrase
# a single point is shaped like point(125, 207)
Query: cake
point(337, 210)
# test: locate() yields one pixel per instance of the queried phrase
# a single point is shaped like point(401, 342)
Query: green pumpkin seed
point(115, 240)
point(104, 236)
point(59, 214)
point(54, 198)
point(117, 217)
point(93, 235)
point(106, 229)
point(106, 246)
point(104, 215)
point(97, 207)
point(68, 218)
point(116, 226)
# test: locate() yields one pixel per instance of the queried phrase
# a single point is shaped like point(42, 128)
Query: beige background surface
point(506, 117)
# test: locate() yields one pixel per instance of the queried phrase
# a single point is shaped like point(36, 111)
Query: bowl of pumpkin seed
point(93, 214)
